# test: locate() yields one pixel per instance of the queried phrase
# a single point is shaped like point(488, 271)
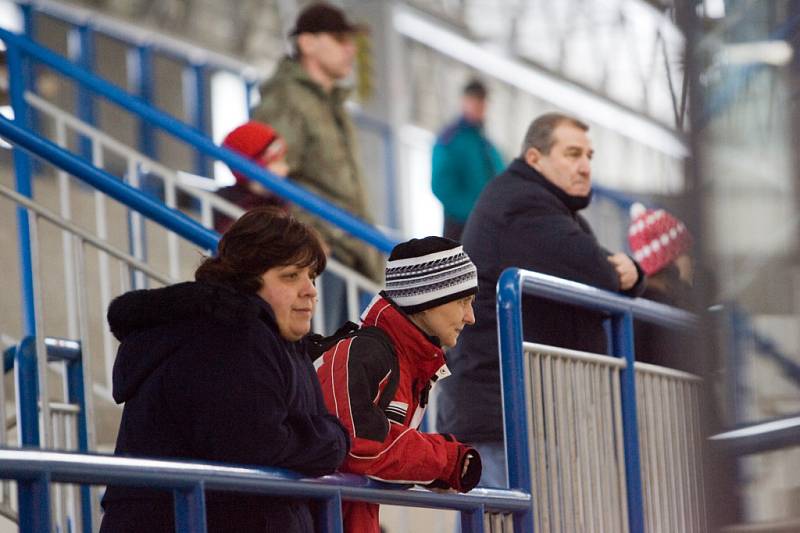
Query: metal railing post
point(27, 392)
point(512, 379)
point(140, 81)
point(190, 509)
point(77, 395)
point(19, 73)
point(622, 341)
point(195, 98)
point(329, 514)
point(81, 52)
point(472, 520)
point(34, 504)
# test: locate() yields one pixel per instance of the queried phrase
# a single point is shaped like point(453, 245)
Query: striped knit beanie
point(656, 238)
point(424, 273)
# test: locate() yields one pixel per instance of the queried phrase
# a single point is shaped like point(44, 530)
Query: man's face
point(473, 108)
point(333, 53)
point(568, 166)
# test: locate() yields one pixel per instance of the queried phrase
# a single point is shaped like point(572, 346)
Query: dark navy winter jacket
point(521, 220)
point(205, 375)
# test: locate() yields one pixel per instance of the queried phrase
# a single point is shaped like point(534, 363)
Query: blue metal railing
point(19, 46)
point(512, 284)
point(760, 437)
point(34, 473)
point(23, 357)
point(189, 481)
point(197, 64)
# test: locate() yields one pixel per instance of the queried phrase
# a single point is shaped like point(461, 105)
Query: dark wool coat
point(205, 375)
point(521, 220)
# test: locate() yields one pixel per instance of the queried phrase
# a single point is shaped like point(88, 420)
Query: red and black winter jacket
point(386, 444)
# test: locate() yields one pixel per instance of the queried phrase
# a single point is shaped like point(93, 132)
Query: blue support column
point(29, 27)
point(737, 354)
point(195, 104)
point(81, 52)
point(622, 337)
point(19, 70)
point(329, 515)
point(140, 82)
point(512, 375)
point(77, 396)
point(472, 520)
point(27, 392)
point(249, 85)
point(34, 504)
point(190, 510)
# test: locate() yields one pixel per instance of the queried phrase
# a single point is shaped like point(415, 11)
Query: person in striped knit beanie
point(377, 379)
point(662, 244)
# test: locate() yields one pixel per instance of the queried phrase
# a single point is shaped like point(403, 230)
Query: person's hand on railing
point(465, 476)
point(626, 270)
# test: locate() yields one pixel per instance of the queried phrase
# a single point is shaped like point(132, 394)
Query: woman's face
point(291, 293)
point(447, 320)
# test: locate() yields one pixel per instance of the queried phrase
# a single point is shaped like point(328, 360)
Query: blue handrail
point(512, 284)
point(282, 187)
point(105, 182)
point(189, 479)
point(760, 437)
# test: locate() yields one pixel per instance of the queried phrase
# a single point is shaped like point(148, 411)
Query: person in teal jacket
point(464, 161)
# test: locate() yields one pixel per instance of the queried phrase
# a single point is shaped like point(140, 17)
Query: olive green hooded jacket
point(322, 156)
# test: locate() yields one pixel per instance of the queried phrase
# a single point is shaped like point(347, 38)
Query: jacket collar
point(291, 68)
point(423, 350)
point(573, 203)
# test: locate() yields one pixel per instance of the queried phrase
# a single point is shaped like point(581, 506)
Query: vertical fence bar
point(515, 396)
point(622, 335)
point(34, 504)
point(26, 393)
point(472, 520)
point(329, 514)
point(65, 206)
point(81, 52)
point(77, 395)
point(43, 396)
point(195, 97)
point(736, 365)
point(249, 86)
point(190, 509)
point(140, 81)
point(19, 79)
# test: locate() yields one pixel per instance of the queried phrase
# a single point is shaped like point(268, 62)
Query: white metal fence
point(577, 459)
point(668, 405)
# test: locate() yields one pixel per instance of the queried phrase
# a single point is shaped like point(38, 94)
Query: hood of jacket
point(421, 350)
point(147, 324)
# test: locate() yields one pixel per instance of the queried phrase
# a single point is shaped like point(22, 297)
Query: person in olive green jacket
point(304, 104)
point(464, 161)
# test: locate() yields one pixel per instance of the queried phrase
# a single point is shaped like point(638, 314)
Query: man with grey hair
point(528, 217)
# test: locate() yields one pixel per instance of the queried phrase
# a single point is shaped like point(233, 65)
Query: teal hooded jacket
point(464, 161)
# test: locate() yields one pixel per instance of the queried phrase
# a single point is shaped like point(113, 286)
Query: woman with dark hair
point(217, 370)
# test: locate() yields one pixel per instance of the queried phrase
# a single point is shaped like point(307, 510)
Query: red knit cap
point(256, 141)
point(656, 238)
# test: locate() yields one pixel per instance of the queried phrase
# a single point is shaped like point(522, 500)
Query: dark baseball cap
point(323, 18)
